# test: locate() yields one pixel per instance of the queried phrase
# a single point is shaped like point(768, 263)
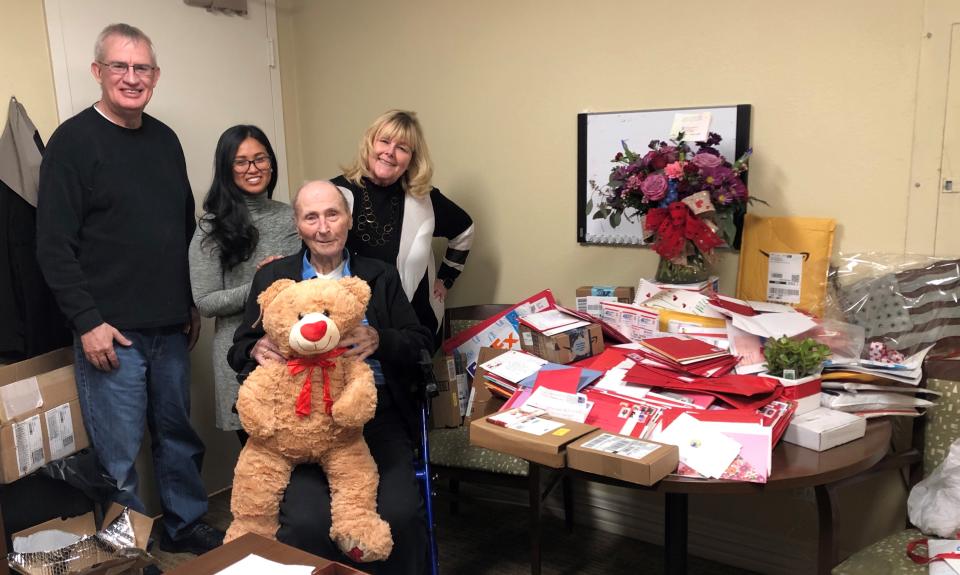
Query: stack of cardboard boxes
point(40, 417)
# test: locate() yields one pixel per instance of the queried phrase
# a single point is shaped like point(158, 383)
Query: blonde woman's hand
point(439, 290)
point(267, 260)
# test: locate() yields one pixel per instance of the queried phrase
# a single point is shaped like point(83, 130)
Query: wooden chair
point(933, 434)
point(454, 460)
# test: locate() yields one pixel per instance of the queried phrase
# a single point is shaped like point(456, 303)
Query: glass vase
point(696, 271)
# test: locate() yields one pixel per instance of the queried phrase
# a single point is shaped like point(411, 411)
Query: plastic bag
point(83, 471)
point(904, 302)
point(845, 340)
point(934, 504)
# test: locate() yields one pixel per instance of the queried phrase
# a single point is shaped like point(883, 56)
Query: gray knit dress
point(222, 295)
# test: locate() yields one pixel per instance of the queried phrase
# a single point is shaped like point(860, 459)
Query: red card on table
point(683, 350)
point(565, 380)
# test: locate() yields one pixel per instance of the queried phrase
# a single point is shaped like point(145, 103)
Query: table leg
point(675, 534)
point(535, 517)
point(568, 501)
point(826, 512)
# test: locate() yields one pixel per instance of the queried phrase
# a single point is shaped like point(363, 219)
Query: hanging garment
point(30, 320)
point(19, 155)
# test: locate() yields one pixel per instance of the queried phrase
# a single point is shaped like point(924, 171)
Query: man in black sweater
point(115, 217)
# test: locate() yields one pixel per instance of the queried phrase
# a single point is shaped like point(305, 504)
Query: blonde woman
point(397, 213)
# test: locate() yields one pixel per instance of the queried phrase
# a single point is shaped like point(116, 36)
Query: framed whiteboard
point(599, 137)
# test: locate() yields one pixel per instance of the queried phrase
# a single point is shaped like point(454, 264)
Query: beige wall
point(498, 86)
point(25, 67)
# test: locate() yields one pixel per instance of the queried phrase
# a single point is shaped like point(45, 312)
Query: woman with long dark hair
point(242, 229)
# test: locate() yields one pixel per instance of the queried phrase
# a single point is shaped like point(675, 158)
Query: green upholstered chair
point(454, 460)
point(888, 556)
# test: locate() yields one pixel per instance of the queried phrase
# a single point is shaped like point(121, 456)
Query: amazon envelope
point(785, 260)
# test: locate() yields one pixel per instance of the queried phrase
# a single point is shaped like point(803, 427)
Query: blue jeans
point(152, 386)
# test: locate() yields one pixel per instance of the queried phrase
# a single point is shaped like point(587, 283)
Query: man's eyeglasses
point(145, 71)
point(241, 165)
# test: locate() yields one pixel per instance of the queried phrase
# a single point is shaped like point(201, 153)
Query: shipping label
point(28, 442)
point(60, 431)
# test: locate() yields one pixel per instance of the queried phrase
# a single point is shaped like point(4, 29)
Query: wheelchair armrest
point(428, 387)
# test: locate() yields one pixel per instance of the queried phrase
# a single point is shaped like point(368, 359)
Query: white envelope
point(514, 365)
point(706, 451)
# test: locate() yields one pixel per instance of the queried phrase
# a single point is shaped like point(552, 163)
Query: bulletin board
point(599, 137)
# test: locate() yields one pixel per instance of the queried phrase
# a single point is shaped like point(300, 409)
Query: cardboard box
point(824, 428)
point(566, 347)
point(463, 381)
point(547, 449)
point(40, 418)
point(624, 458)
point(481, 402)
point(445, 407)
point(85, 525)
point(589, 297)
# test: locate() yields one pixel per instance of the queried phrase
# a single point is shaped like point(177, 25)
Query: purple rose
point(654, 187)
point(706, 160)
point(648, 158)
point(670, 154)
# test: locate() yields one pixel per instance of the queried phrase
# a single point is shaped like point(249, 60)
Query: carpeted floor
point(492, 538)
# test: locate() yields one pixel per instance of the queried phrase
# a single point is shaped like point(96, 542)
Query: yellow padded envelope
point(786, 260)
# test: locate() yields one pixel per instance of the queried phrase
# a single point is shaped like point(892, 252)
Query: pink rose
point(674, 171)
point(706, 160)
point(654, 187)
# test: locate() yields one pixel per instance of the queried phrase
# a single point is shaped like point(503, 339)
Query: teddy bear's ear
point(271, 293)
point(358, 288)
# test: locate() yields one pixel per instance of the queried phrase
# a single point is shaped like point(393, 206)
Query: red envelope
point(564, 380)
point(610, 357)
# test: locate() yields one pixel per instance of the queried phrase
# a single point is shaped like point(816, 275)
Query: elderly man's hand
point(361, 342)
point(98, 346)
point(265, 351)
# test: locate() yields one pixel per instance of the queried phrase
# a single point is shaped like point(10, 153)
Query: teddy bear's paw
point(345, 417)
point(375, 545)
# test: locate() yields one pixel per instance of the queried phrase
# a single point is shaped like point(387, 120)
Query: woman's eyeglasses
point(242, 165)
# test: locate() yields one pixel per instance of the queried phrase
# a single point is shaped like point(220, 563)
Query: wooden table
point(228, 554)
point(792, 467)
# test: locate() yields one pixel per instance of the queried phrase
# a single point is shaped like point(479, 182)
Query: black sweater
point(114, 219)
point(450, 221)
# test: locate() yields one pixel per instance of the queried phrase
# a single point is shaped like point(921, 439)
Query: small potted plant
point(797, 364)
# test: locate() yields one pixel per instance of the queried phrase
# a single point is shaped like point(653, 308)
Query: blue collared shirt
point(308, 272)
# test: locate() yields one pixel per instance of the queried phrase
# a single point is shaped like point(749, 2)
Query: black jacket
point(401, 335)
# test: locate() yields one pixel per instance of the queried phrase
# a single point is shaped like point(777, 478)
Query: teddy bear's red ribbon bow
point(324, 361)
point(675, 224)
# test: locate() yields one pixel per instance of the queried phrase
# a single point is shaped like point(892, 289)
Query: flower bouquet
point(688, 201)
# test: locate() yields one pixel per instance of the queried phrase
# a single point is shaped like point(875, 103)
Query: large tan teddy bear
point(311, 409)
